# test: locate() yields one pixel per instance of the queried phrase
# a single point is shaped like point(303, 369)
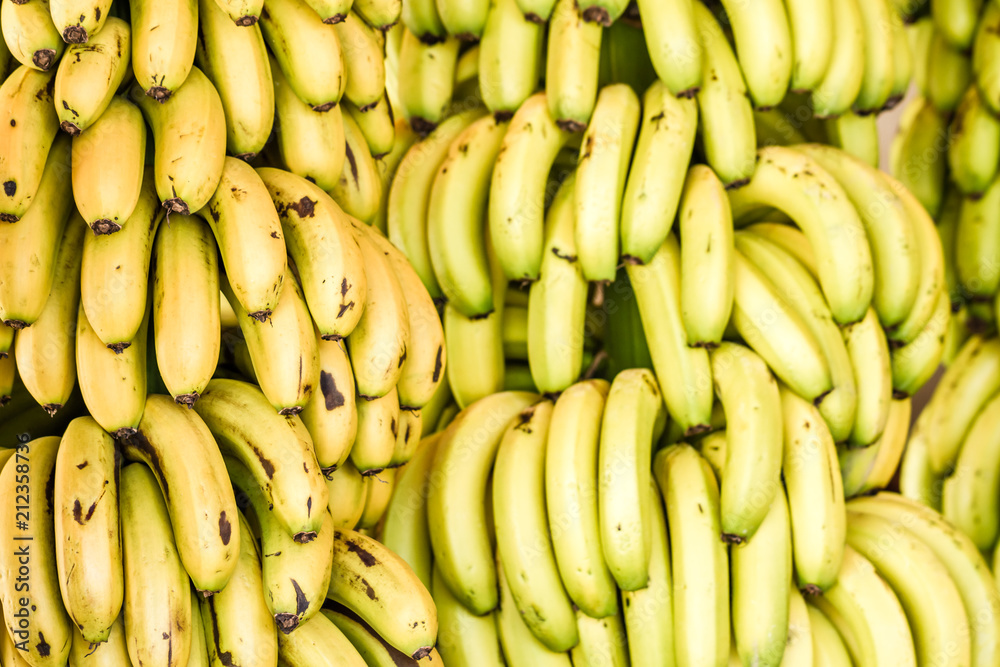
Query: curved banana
point(455, 506)
point(234, 58)
point(572, 62)
point(422, 19)
point(986, 57)
point(464, 639)
point(877, 80)
point(330, 415)
point(956, 20)
point(88, 557)
point(903, 62)
point(46, 351)
point(114, 651)
point(797, 185)
point(375, 651)
point(464, 19)
point(28, 128)
point(764, 48)
point(380, 14)
point(812, 29)
point(378, 426)
point(347, 495)
point(873, 466)
point(36, 622)
point(306, 50)
point(699, 559)
point(872, 363)
point(520, 645)
point(359, 189)
point(602, 168)
point(164, 35)
point(975, 245)
point(949, 73)
point(388, 165)
point(364, 63)
point(89, 76)
point(186, 317)
point(510, 54)
point(915, 363)
point(243, 13)
point(189, 132)
point(114, 277)
point(318, 643)
point(78, 20)
point(405, 531)
point(657, 291)
point(974, 480)
point(920, 161)
point(656, 176)
point(815, 494)
point(157, 589)
point(828, 645)
point(426, 79)
point(378, 127)
point(836, 91)
point(916, 479)
point(30, 35)
point(331, 11)
point(675, 46)
point(973, 156)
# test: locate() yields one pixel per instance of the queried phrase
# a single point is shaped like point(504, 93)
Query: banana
point(602, 641)
point(836, 91)
point(455, 506)
point(426, 79)
point(798, 289)
point(464, 639)
point(557, 302)
point(113, 384)
point(38, 626)
point(949, 73)
point(699, 559)
point(408, 217)
point(158, 627)
point(656, 176)
point(658, 293)
point(330, 415)
point(917, 481)
point(318, 643)
point(306, 50)
point(602, 12)
point(867, 614)
point(114, 275)
point(509, 57)
point(277, 450)
point(960, 557)
point(411, 425)
point(774, 128)
point(358, 190)
point(915, 363)
point(364, 63)
point(536, 11)
point(27, 132)
point(764, 48)
point(517, 192)
point(243, 13)
point(88, 554)
point(89, 76)
point(828, 646)
point(78, 20)
point(455, 219)
point(30, 35)
point(926, 590)
point(378, 344)
point(310, 144)
point(380, 14)
point(237, 624)
point(870, 358)
point(878, 78)
point(956, 20)
point(973, 481)
point(369, 645)
point(573, 54)
point(873, 466)
point(811, 25)
point(984, 57)
point(603, 166)
point(793, 183)
point(377, 124)
point(405, 531)
point(199, 647)
point(760, 581)
point(675, 47)
point(8, 378)
point(234, 58)
point(331, 11)
point(248, 231)
point(648, 611)
point(402, 140)
point(465, 19)
point(401, 611)
point(520, 645)
point(320, 240)
point(903, 62)
point(815, 494)
point(294, 573)
point(164, 35)
point(522, 531)
point(975, 247)
point(422, 19)
point(111, 653)
point(920, 159)
point(189, 132)
point(186, 318)
point(46, 351)
point(856, 135)
point(6, 340)
point(347, 494)
point(973, 157)
point(378, 426)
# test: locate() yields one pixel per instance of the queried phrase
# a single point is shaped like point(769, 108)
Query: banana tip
point(44, 59)
point(286, 622)
point(288, 412)
point(75, 34)
point(570, 125)
point(304, 536)
point(125, 432)
point(159, 93)
point(52, 408)
point(4, 400)
point(697, 429)
point(16, 325)
point(261, 315)
point(597, 15)
point(730, 538)
point(422, 126)
point(534, 18)
point(103, 227)
point(689, 93)
point(322, 108)
point(8, 217)
point(118, 348)
point(335, 19)
point(422, 652)
point(812, 590)
point(246, 157)
point(737, 184)
point(69, 128)
point(246, 21)
point(187, 400)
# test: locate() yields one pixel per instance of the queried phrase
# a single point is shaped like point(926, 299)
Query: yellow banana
point(347, 493)
point(464, 639)
point(164, 35)
point(972, 154)
point(377, 125)
point(331, 11)
point(330, 415)
point(764, 48)
point(675, 46)
point(915, 363)
point(30, 34)
point(364, 63)
point(949, 72)
point(78, 20)
point(836, 91)
point(113, 652)
point(509, 57)
point(984, 57)
point(956, 19)
point(242, 12)
point(89, 76)
point(973, 481)
point(380, 14)
point(378, 426)
point(918, 160)
point(856, 134)
point(318, 643)
point(572, 61)
point(877, 81)
point(828, 646)
point(388, 165)
point(358, 190)
point(873, 467)
point(870, 357)
point(426, 79)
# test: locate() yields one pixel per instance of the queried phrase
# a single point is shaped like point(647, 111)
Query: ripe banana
point(915, 363)
point(699, 559)
point(878, 78)
point(455, 217)
point(113, 384)
point(30, 35)
point(294, 573)
point(949, 73)
point(455, 506)
point(919, 161)
point(401, 611)
point(403, 138)
point(520, 645)
point(422, 19)
point(37, 624)
point(536, 11)
point(464, 19)
point(89, 76)
point(602, 641)
point(364, 63)
point(405, 531)
point(724, 106)
point(234, 58)
point(347, 494)
point(380, 14)
point(510, 52)
point(317, 643)
point(675, 46)
point(815, 494)
point(793, 183)
point(27, 130)
point(873, 467)
point(331, 11)
point(88, 554)
point(828, 646)
point(78, 20)
point(164, 35)
point(330, 416)
point(658, 296)
point(811, 25)
point(110, 653)
point(243, 13)
point(573, 54)
point(358, 190)
point(764, 47)
point(189, 132)
point(836, 91)
point(306, 50)
point(870, 358)
point(656, 176)
point(369, 645)
point(426, 79)
point(378, 426)
point(378, 127)
point(46, 351)
point(464, 639)
point(114, 276)
point(276, 449)
point(975, 246)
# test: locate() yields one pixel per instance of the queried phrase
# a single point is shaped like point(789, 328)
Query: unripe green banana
point(422, 19)
point(956, 19)
point(949, 73)
point(571, 66)
point(839, 86)
point(89, 76)
point(30, 34)
point(426, 80)
point(877, 80)
point(510, 55)
point(164, 35)
point(79, 20)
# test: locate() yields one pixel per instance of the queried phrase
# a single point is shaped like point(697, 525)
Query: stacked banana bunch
point(948, 152)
